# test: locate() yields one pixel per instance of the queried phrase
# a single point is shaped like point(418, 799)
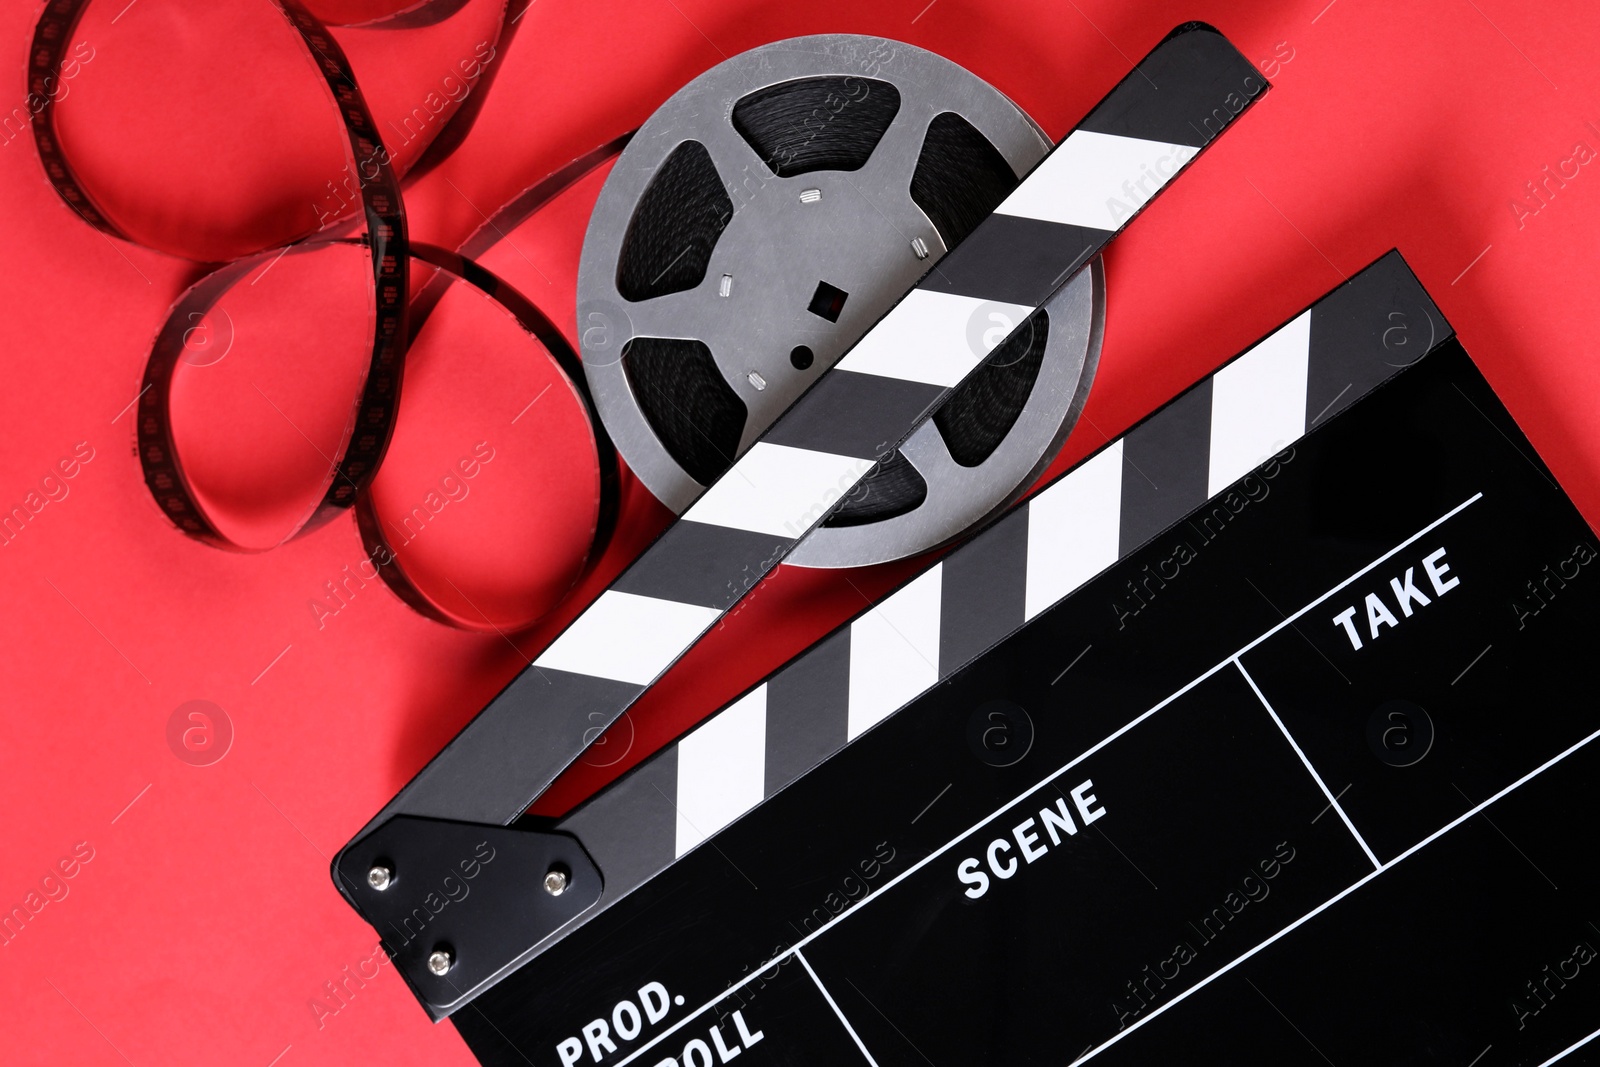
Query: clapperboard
point(1258, 733)
point(1281, 761)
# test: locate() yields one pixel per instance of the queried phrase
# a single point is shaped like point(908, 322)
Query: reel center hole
point(828, 301)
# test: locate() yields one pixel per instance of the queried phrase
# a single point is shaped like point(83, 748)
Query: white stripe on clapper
point(627, 637)
point(1258, 404)
point(1073, 529)
point(1097, 180)
point(722, 769)
point(778, 490)
point(935, 338)
point(894, 652)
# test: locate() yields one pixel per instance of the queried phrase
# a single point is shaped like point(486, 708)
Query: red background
point(205, 926)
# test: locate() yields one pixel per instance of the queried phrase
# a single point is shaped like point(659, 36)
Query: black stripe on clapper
point(1186, 92)
point(1361, 335)
point(643, 841)
point(1189, 89)
point(489, 773)
point(1015, 259)
point(849, 414)
point(983, 591)
point(689, 560)
point(1166, 462)
point(808, 706)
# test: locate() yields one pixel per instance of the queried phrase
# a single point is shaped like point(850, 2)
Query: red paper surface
point(204, 928)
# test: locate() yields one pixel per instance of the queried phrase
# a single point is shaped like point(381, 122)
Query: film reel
point(761, 221)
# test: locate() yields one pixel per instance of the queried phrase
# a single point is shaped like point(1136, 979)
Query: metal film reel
point(761, 221)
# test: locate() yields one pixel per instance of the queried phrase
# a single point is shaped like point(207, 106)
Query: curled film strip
point(453, 267)
point(362, 447)
point(396, 321)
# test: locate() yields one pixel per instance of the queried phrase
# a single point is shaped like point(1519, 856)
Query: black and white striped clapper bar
point(438, 872)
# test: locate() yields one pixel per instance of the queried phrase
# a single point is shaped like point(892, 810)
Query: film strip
point(1199, 793)
point(397, 317)
point(372, 420)
point(452, 268)
point(461, 266)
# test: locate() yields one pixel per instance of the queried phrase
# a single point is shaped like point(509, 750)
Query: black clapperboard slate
point(1304, 777)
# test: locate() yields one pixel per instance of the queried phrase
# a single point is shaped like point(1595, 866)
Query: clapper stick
point(1143, 134)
